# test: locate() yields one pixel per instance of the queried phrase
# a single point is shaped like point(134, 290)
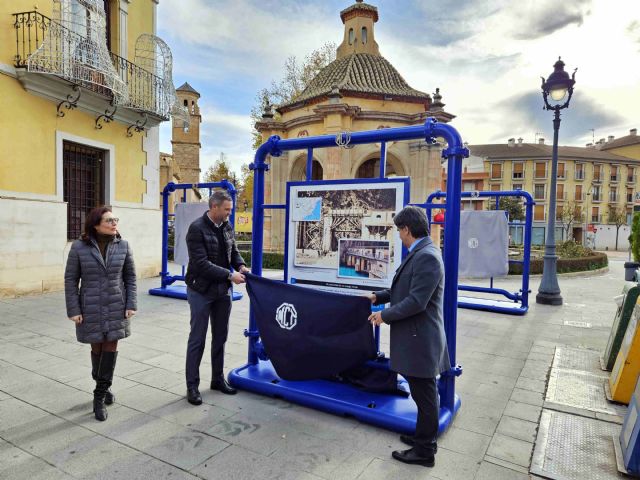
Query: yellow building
point(627, 146)
point(83, 88)
point(358, 91)
point(595, 181)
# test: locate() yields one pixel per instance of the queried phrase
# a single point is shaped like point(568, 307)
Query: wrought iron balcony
point(146, 91)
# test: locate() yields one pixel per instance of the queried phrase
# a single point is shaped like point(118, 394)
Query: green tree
point(617, 217)
point(218, 171)
point(571, 213)
point(297, 76)
point(634, 238)
point(246, 188)
point(511, 205)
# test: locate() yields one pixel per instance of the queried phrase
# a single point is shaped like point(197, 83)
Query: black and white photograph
point(364, 214)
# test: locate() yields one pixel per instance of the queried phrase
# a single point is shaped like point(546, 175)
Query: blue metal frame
point(517, 303)
point(167, 287)
point(387, 411)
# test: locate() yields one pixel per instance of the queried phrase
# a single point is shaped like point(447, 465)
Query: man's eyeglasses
point(112, 220)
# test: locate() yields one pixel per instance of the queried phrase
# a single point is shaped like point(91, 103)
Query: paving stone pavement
point(47, 429)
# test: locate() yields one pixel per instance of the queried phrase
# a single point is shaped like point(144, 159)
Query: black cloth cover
point(310, 334)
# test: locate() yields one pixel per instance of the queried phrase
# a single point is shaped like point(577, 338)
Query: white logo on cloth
point(286, 316)
point(473, 243)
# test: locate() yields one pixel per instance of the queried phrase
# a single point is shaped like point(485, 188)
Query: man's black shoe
point(410, 456)
point(223, 386)
point(193, 396)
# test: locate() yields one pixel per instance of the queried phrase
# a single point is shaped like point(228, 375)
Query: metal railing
point(146, 90)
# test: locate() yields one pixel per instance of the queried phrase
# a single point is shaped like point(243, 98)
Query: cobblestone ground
point(47, 429)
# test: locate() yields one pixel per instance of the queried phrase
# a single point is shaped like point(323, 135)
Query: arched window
point(316, 171)
point(351, 36)
point(371, 169)
point(186, 103)
point(193, 107)
point(363, 35)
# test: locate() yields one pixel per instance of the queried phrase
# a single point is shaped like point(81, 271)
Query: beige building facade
point(358, 91)
point(591, 179)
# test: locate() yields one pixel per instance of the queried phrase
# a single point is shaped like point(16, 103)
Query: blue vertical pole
point(383, 159)
point(165, 234)
point(309, 164)
point(526, 254)
point(259, 166)
point(451, 253)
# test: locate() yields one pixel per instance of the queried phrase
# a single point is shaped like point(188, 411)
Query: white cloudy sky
point(486, 56)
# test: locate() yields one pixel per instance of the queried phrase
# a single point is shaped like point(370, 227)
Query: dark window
point(83, 177)
point(107, 11)
point(363, 35)
point(371, 169)
point(351, 36)
point(316, 171)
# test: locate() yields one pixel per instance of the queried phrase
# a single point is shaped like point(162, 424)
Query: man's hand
point(129, 313)
point(376, 318)
point(244, 269)
point(237, 278)
point(372, 297)
point(77, 319)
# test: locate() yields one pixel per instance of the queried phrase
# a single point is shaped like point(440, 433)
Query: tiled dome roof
point(358, 73)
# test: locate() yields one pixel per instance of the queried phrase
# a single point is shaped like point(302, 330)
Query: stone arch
point(299, 169)
point(369, 166)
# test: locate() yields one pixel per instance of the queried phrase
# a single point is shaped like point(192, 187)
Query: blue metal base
point(180, 291)
point(386, 411)
point(499, 306)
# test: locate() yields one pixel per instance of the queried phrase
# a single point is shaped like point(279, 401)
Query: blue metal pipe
point(383, 159)
point(455, 151)
point(165, 278)
point(309, 164)
point(473, 288)
point(526, 257)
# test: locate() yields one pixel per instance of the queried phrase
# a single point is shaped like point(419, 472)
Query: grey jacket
point(418, 343)
point(107, 289)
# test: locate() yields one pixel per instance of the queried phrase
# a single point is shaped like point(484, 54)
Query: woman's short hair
point(414, 219)
point(218, 197)
point(92, 220)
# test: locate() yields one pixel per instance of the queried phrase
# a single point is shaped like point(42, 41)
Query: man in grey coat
point(418, 344)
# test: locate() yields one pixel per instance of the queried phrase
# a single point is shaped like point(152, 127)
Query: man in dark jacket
point(212, 254)
point(418, 344)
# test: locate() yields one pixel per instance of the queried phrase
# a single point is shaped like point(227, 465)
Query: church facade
point(358, 91)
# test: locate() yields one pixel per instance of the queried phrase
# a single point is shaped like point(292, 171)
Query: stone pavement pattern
point(47, 429)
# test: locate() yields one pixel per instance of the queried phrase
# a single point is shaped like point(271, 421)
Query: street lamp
point(556, 86)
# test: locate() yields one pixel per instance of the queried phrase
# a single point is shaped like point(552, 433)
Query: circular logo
point(473, 243)
point(286, 316)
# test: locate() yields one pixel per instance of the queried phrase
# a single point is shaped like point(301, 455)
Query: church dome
point(359, 74)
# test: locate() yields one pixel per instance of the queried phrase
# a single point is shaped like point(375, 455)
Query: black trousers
point(424, 392)
point(205, 309)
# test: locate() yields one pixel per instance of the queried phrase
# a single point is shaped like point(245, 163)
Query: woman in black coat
point(103, 303)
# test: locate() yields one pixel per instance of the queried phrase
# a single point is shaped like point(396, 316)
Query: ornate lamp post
point(556, 86)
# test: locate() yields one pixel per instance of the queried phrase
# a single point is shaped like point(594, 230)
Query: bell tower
point(358, 20)
point(185, 139)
